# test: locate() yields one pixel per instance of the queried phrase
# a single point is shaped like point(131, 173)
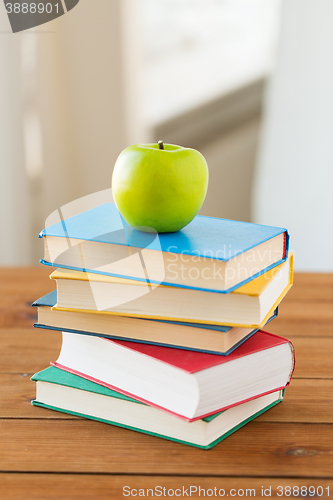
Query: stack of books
point(162, 332)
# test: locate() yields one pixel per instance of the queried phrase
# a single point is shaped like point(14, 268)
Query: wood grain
point(46, 455)
point(19, 288)
point(110, 487)
point(305, 401)
point(312, 287)
point(17, 391)
point(313, 357)
point(259, 448)
point(28, 350)
point(31, 350)
point(311, 311)
point(300, 326)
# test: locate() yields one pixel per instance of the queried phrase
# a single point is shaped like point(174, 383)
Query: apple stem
point(160, 144)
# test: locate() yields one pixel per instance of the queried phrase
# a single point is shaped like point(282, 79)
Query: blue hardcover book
point(214, 339)
point(209, 254)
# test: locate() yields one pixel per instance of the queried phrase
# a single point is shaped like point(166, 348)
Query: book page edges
point(188, 320)
point(169, 438)
point(254, 287)
point(283, 294)
point(178, 320)
point(149, 403)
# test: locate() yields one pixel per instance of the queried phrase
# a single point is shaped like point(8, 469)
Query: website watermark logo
point(90, 235)
point(26, 14)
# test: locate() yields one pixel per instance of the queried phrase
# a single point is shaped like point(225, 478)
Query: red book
point(189, 384)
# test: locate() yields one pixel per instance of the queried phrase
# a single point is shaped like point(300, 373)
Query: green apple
point(160, 186)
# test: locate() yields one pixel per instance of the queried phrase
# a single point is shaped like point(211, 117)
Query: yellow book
point(248, 306)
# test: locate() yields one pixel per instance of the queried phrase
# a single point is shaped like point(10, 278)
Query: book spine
point(286, 245)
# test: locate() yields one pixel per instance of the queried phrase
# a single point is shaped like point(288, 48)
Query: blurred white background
point(247, 82)
point(195, 51)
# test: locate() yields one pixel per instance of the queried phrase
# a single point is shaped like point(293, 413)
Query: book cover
point(205, 237)
point(56, 376)
point(220, 239)
point(192, 362)
point(252, 289)
point(50, 301)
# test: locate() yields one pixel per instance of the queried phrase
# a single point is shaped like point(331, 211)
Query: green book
point(62, 391)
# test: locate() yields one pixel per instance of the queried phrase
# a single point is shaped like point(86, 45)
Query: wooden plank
point(19, 287)
point(311, 311)
point(17, 277)
point(103, 487)
point(312, 287)
point(31, 350)
point(313, 357)
point(307, 286)
point(300, 326)
point(299, 318)
point(274, 450)
point(292, 439)
point(306, 310)
point(28, 283)
point(18, 315)
point(24, 283)
point(306, 319)
point(28, 350)
point(17, 391)
point(306, 400)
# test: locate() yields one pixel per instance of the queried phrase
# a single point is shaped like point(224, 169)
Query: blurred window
point(195, 50)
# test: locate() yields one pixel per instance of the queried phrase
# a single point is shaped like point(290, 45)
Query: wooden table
point(48, 455)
